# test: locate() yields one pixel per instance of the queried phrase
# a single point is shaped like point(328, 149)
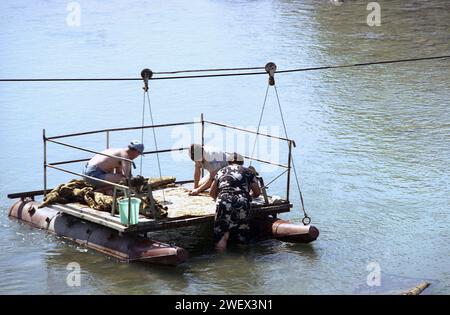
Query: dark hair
point(196, 152)
point(236, 158)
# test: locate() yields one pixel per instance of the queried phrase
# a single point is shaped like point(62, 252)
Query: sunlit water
point(372, 143)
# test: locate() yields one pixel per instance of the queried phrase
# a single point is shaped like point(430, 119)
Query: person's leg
point(221, 223)
point(95, 172)
point(241, 231)
point(105, 188)
point(111, 177)
point(222, 244)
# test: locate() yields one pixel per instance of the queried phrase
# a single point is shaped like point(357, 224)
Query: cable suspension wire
point(226, 74)
point(209, 70)
point(275, 178)
point(306, 218)
point(259, 124)
point(292, 158)
point(156, 142)
point(142, 131)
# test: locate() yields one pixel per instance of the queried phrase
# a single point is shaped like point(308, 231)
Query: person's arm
point(197, 174)
point(126, 168)
point(255, 189)
point(207, 183)
point(213, 191)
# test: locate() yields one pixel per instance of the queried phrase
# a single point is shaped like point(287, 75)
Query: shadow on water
point(198, 240)
point(195, 239)
point(307, 250)
point(102, 274)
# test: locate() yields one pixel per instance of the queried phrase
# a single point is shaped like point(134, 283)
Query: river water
point(372, 149)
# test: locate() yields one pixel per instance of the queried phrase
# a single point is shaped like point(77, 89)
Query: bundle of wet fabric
point(80, 191)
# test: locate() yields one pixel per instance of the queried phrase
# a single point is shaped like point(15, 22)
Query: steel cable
point(225, 74)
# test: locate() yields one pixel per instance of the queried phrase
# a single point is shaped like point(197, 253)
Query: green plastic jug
point(134, 213)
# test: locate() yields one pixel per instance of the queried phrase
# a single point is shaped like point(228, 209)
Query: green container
point(134, 213)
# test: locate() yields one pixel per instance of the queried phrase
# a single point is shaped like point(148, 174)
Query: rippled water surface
point(372, 143)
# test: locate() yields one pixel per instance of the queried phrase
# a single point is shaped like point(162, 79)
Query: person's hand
point(194, 192)
point(137, 180)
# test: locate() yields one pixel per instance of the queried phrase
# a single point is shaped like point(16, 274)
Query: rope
point(156, 142)
point(274, 179)
point(306, 218)
point(142, 130)
point(209, 70)
point(292, 159)
point(226, 74)
point(364, 64)
point(259, 124)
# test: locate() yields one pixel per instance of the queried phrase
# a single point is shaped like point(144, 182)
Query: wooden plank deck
point(183, 210)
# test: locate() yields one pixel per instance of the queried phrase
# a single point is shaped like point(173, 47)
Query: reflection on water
point(372, 143)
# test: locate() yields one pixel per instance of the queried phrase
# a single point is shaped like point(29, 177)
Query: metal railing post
point(129, 194)
point(289, 171)
point(107, 139)
point(203, 140)
point(45, 162)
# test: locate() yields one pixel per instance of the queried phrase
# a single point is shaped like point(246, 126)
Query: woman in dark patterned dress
point(233, 188)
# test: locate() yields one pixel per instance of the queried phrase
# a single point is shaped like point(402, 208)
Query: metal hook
point(306, 220)
point(270, 69)
point(146, 74)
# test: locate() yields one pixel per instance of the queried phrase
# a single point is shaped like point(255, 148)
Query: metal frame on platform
point(128, 190)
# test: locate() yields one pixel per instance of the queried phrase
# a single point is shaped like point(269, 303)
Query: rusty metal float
point(133, 247)
point(127, 248)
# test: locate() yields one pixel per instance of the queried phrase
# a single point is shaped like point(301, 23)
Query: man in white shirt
point(209, 159)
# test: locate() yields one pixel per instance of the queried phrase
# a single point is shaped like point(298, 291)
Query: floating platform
point(183, 210)
point(103, 232)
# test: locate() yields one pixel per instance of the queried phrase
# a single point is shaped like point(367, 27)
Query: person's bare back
point(108, 164)
point(112, 169)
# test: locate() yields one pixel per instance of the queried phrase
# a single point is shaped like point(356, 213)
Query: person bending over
point(209, 159)
point(233, 188)
point(112, 169)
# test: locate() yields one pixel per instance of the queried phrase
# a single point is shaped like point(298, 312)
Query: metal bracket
point(152, 201)
point(261, 184)
point(114, 204)
point(137, 193)
point(263, 189)
point(270, 69)
point(146, 75)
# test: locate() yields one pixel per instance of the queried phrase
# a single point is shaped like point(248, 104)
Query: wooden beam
point(28, 194)
point(417, 289)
